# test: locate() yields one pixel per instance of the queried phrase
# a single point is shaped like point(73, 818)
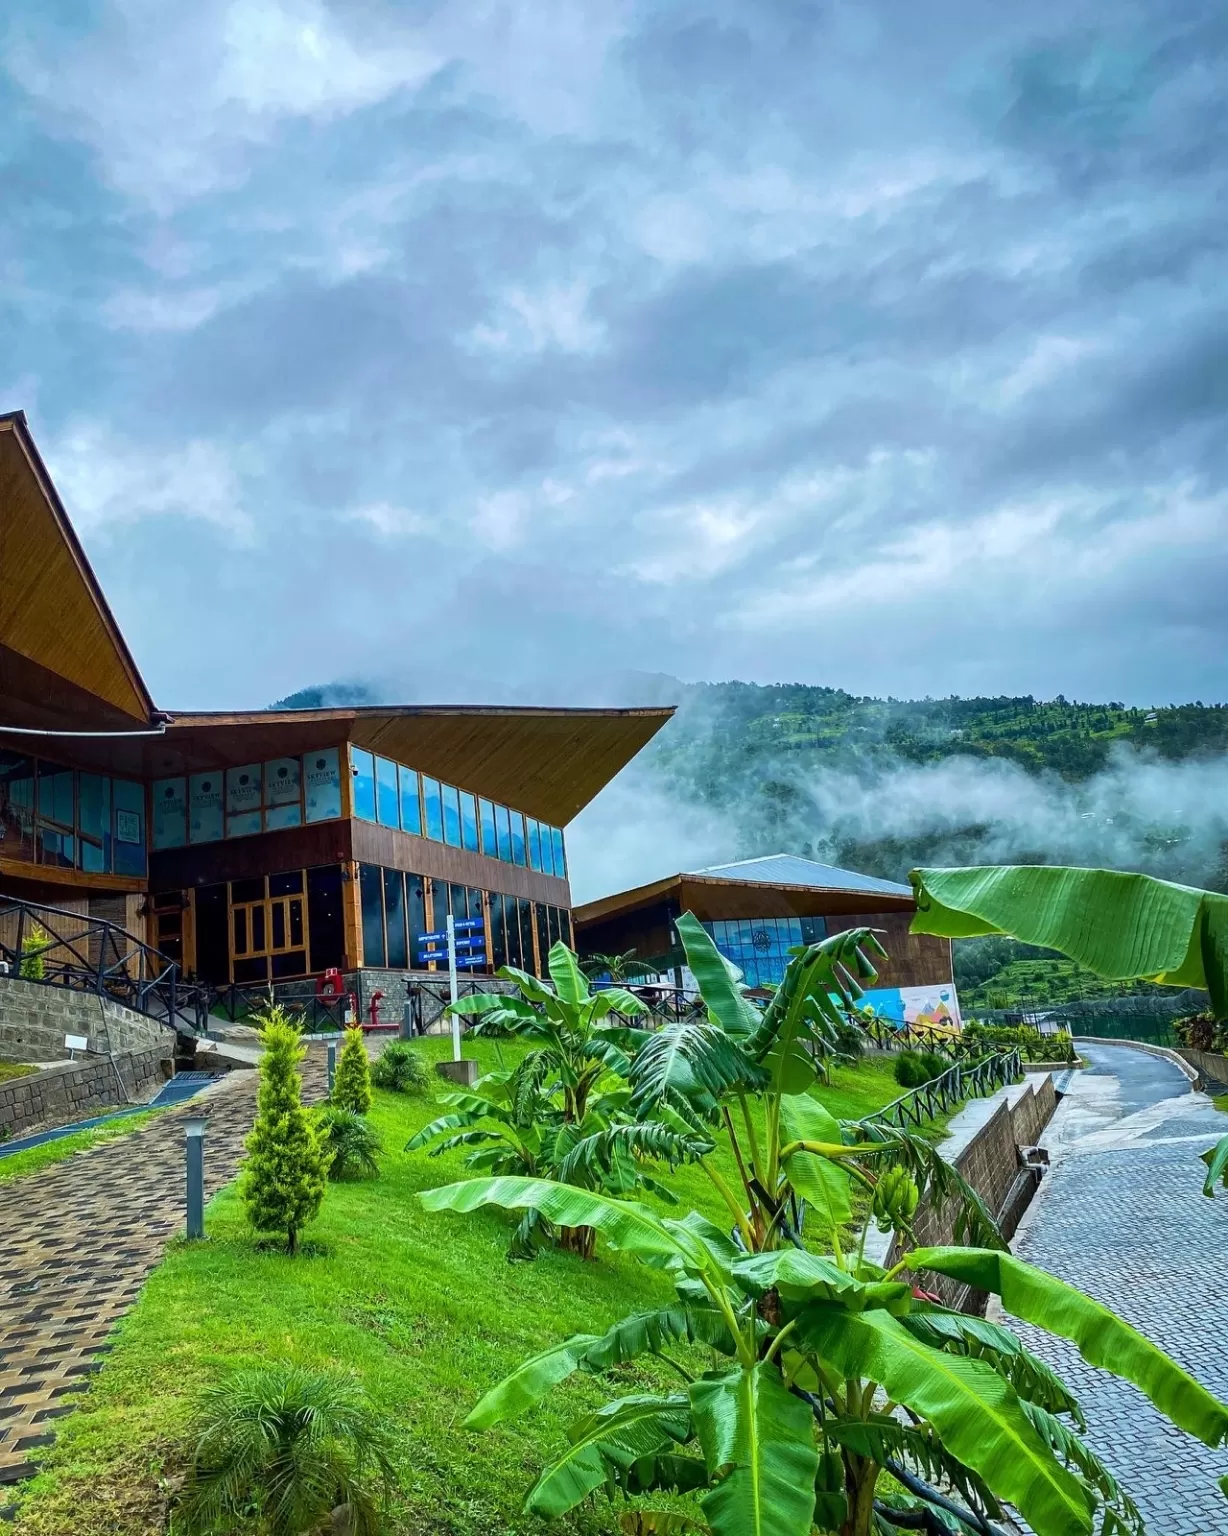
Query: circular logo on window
point(283, 773)
point(244, 778)
point(320, 762)
point(207, 786)
point(168, 794)
point(761, 939)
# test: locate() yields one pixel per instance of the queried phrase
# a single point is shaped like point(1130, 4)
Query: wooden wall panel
point(242, 858)
point(914, 959)
point(373, 844)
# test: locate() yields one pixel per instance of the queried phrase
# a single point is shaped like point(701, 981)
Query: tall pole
point(195, 1161)
point(452, 987)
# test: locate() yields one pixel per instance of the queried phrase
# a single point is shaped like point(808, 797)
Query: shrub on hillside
point(983, 1039)
point(33, 946)
point(284, 1177)
point(400, 1068)
point(912, 1068)
point(352, 1084)
point(286, 1448)
point(350, 1143)
point(1202, 1032)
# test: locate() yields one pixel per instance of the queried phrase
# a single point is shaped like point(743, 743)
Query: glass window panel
point(322, 784)
point(240, 930)
point(288, 884)
point(247, 890)
point(292, 963)
point(128, 848)
point(362, 768)
point(93, 859)
point(490, 843)
point(394, 917)
point(415, 895)
point(247, 971)
point(94, 805)
point(560, 854)
point(498, 931)
point(511, 919)
point(371, 895)
point(526, 933)
point(55, 847)
point(432, 806)
point(278, 816)
point(205, 808)
point(243, 789)
point(547, 848)
point(439, 905)
point(541, 926)
point(387, 795)
point(259, 942)
point(296, 921)
point(325, 919)
point(55, 795)
point(170, 809)
point(552, 925)
point(535, 843)
point(451, 816)
point(17, 805)
point(469, 822)
point(279, 925)
point(518, 852)
point(411, 810)
point(283, 781)
point(504, 825)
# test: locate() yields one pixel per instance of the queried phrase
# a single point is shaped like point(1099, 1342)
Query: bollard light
point(332, 1065)
point(194, 1152)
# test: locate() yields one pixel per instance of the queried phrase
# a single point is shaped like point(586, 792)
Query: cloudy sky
point(880, 344)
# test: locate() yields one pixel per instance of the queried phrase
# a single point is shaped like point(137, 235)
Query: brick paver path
point(76, 1243)
point(1122, 1215)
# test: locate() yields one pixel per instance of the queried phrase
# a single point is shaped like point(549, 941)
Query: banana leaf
point(530, 1381)
point(719, 982)
point(1100, 1336)
point(570, 982)
point(819, 1181)
point(1121, 926)
point(1216, 1159)
point(622, 1432)
point(976, 1414)
point(758, 1442)
point(802, 1277)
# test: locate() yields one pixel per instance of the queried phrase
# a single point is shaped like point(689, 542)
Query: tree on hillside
point(352, 1084)
point(284, 1179)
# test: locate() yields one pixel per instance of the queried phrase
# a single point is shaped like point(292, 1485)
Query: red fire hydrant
point(374, 1010)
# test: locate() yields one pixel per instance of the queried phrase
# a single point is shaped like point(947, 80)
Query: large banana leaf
point(758, 1442)
point(624, 1224)
point(718, 981)
point(694, 1060)
point(816, 1179)
point(802, 1277)
point(624, 1431)
point(960, 1333)
point(976, 1414)
point(570, 982)
point(1100, 1335)
point(530, 1381)
point(1216, 1159)
point(1118, 925)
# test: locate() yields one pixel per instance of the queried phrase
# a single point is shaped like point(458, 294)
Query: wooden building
point(757, 910)
point(269, 845)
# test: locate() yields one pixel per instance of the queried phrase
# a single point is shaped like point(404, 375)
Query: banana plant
point(565, 1110)
point(801, 1380)
point(744, 1076)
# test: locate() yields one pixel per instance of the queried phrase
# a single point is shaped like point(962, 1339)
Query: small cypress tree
point(352, 1083)
point(33, 947)
point(287, 1168)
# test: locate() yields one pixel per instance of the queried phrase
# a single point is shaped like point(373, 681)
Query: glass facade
point(396, 796)
point(399, 908)
point(70, 819)
point(255, 797)
point(759, 946)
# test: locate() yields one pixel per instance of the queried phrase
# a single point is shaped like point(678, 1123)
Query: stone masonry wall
point(70, 1091)
point(1032, 1111)
point(34, 1018)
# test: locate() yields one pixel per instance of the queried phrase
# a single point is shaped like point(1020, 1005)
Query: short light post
point(195, 1158)
point(332, 1065)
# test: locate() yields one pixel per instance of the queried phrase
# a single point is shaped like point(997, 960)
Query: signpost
point(463, 944)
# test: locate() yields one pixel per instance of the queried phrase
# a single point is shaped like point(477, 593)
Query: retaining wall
point(1211, 1067)
point(78, 1090)
point(34, 1018)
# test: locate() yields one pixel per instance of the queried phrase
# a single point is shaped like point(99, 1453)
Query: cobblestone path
point(76, 1243)
point(1122, 1215)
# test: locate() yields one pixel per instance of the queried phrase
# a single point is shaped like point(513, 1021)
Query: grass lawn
point(11, 1069)
point(425, 1309)
point(16, 1164)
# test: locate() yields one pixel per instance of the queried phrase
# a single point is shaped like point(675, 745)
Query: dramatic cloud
point(834, 340)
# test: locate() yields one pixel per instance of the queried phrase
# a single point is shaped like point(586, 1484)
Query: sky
point(873, 344)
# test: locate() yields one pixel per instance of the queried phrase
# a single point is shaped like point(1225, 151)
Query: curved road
point(1121, 1214)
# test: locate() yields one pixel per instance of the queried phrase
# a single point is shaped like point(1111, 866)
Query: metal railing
point(58, 948)
point(953, 1087)
point(888, 1036)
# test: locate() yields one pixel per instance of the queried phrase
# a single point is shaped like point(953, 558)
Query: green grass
point(17, 1164)
point(12, 1069)
point(425, 1309)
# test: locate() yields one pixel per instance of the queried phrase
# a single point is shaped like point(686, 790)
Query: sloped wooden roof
point(63, 660)
point(712, 897)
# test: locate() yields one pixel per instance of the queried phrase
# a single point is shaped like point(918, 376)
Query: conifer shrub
point(352, 1083)
point(33, 967)
point(287, 1167)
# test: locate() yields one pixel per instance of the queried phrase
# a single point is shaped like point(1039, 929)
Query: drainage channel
point(183, 1086)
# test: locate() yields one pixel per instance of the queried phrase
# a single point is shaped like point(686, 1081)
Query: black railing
point(889, 1036)
point(958, 1083)
point(58, 948)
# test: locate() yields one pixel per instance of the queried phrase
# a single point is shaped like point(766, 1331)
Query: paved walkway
point(76, 1243)
point(1121, 1214)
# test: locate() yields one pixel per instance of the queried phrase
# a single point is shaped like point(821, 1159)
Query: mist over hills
point(880, 785)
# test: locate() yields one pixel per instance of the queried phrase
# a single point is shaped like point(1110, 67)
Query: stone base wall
point(34, 1018)
point(1032, 1111)
point(71, 1091)
point(430, 987)
point(1212, 1068)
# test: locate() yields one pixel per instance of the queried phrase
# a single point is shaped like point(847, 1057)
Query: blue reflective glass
point(560, 856)
point(547, 846)
point(387, 798)
point(411, 811)
point(128, 846)
point(535, 843)
point(518, 852)
point(490, 842)
point(469, 822)
point(433, 806)
point(362, 766)
point(503, 819)
point(451, 816)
